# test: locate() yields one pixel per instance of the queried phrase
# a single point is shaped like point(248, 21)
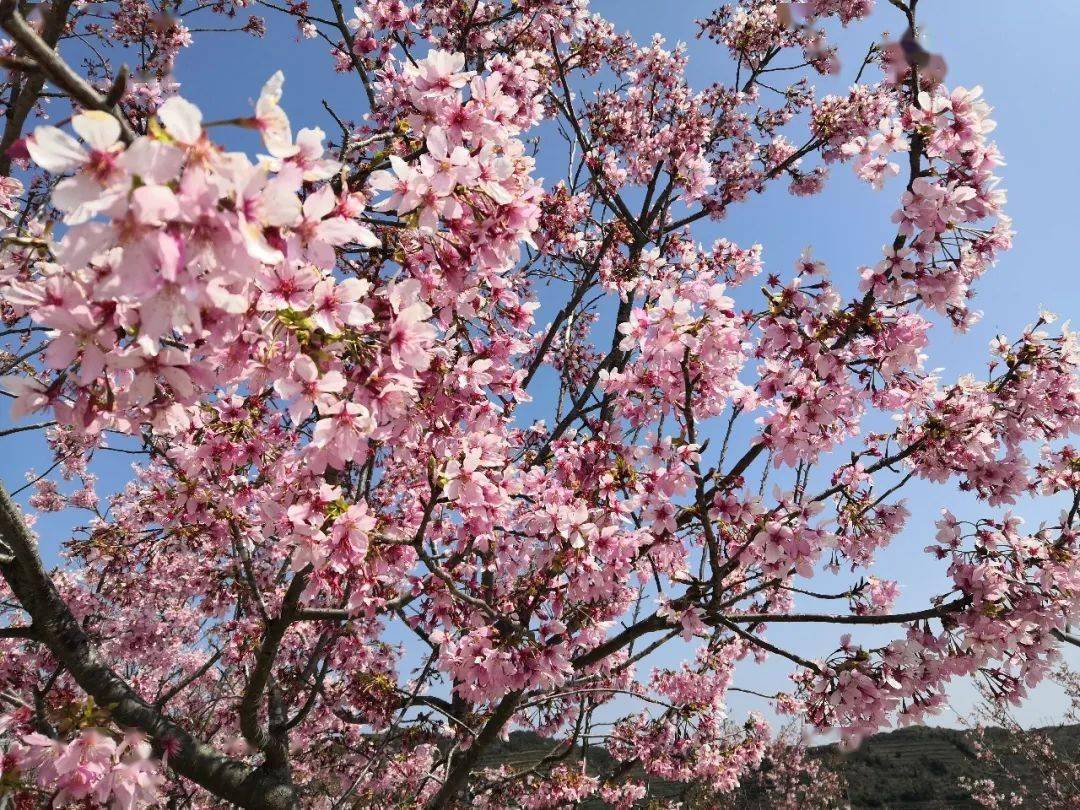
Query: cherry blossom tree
point(351, 554)
point(1025, 766)
point(789, 777)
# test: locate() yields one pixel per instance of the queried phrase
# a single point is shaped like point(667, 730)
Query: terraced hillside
point(922, 767)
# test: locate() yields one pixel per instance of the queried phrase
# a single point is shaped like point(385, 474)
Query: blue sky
point(1022, 55)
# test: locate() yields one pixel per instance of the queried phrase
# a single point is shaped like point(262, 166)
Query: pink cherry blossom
point(360, 454)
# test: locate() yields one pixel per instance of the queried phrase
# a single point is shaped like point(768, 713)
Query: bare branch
point(824, 618)
point(56, 70)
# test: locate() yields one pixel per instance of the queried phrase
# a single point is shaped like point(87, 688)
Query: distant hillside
point(910, 768)
point(921, 767)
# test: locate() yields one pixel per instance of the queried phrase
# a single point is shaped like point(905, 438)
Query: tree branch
point(455, 779)
point(56, 70)
point(824, 618)
point(58, 629)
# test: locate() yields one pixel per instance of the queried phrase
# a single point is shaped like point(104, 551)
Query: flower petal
point(182, 120)
point(55, 151)
point(99, 129)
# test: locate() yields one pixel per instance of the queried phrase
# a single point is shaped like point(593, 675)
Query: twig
point(58, 71)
